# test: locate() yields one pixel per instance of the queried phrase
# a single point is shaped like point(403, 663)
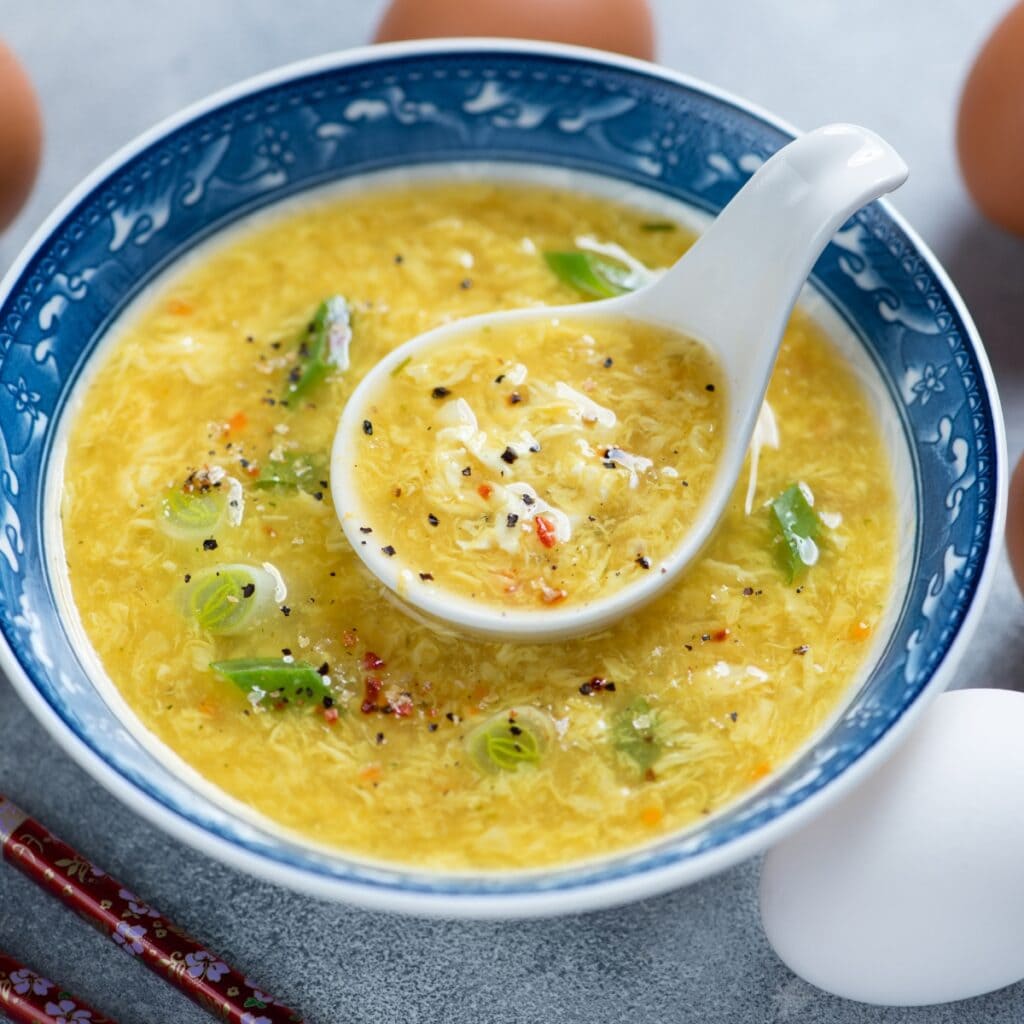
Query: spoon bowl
point(732, 291)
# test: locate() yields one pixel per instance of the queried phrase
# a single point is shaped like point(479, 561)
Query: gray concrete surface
point(107, 70)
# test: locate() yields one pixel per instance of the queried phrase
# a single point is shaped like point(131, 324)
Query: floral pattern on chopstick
point(26, 996)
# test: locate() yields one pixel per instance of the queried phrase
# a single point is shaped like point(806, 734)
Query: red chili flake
point(372, 661)
point(330, 715)
point(370, 694)
point(485, 491)
point(253, 469)
point(720, 634)
point(545, 531)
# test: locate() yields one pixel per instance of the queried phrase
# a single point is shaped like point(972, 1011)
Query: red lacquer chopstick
point(141, 931)
point(29, 998)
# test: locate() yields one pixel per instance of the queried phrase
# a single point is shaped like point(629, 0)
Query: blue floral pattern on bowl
point(428, 104)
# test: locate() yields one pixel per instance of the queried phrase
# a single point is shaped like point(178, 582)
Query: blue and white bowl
point(644, 131)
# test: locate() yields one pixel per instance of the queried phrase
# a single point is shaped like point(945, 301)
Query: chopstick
point(142, 932)
point(29, 998)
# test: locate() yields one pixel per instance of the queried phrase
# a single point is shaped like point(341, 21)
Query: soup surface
point(539, 464)
point(199, 532)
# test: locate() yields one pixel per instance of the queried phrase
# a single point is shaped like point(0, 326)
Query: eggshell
point(21, 136)
point(1015, 524)
point(910, 891)
point(990, 125)
point(624, 26)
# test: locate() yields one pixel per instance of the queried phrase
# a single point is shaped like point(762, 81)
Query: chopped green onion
point(186, 516)
point(798, 527)
point(301, 471)
point(511, 738)
point(634, 733)
point(658, 225)
point(323, 347)
point(589, 273)
point(296, 681)
point(228, 599)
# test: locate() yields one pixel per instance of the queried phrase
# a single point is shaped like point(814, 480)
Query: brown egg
point(624, 26)
point(21, 136)
point(1015, 524)
point(990, 125)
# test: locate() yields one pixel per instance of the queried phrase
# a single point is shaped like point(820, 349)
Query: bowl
point(527, 109)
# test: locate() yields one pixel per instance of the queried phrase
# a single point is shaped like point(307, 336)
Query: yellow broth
point(541, 464)
point(738, 666)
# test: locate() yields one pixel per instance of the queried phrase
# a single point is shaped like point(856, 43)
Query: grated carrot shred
point(179, 307)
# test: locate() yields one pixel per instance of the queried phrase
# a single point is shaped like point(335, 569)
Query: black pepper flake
point(709, 387)
point(328, 702)
point(389, 550)
point(367, 427)
point(285, 610)
point(188, 577)
point(248, 590)
point(466, 471)
point(432, 519)
point(689, 647)
point(733, 715)
point(705, 637)
point(209, 544)
point(515, 398)
point(380, 738)
point(528, 499)
point(426, 576)
point(748, 591)
point(608, 464)
point(451, 716)
point(366, 529)
point(686, 483)
point(319, 495)
point(643, 561)
point(499, 378)
point(511, 519)
point(466, 283)
point(515, 730)
point(607, 362)
point(802, 649)
point(440, 392)
point(286, 651)
point(399, 258)
point(509, 456)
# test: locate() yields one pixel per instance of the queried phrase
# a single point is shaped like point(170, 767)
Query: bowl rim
point(602, 893)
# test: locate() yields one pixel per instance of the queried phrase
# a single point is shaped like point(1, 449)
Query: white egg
point(910, 891)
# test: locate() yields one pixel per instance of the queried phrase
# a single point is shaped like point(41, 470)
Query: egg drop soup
point(226, 604)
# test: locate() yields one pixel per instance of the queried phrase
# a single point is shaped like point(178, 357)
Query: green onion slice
point(513, 737)
point(229, 599)
point(325, 346)
point(634, 733)
point(591, 274)
point(188, 516)
point(274, 678)
point(797, 530)
point(302, 472)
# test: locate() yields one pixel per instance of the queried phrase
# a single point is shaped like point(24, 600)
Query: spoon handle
point(736, 287)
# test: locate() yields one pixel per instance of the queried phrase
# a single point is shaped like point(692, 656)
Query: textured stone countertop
point(105, 71)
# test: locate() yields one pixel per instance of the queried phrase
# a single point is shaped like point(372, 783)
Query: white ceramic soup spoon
point(733, 290)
